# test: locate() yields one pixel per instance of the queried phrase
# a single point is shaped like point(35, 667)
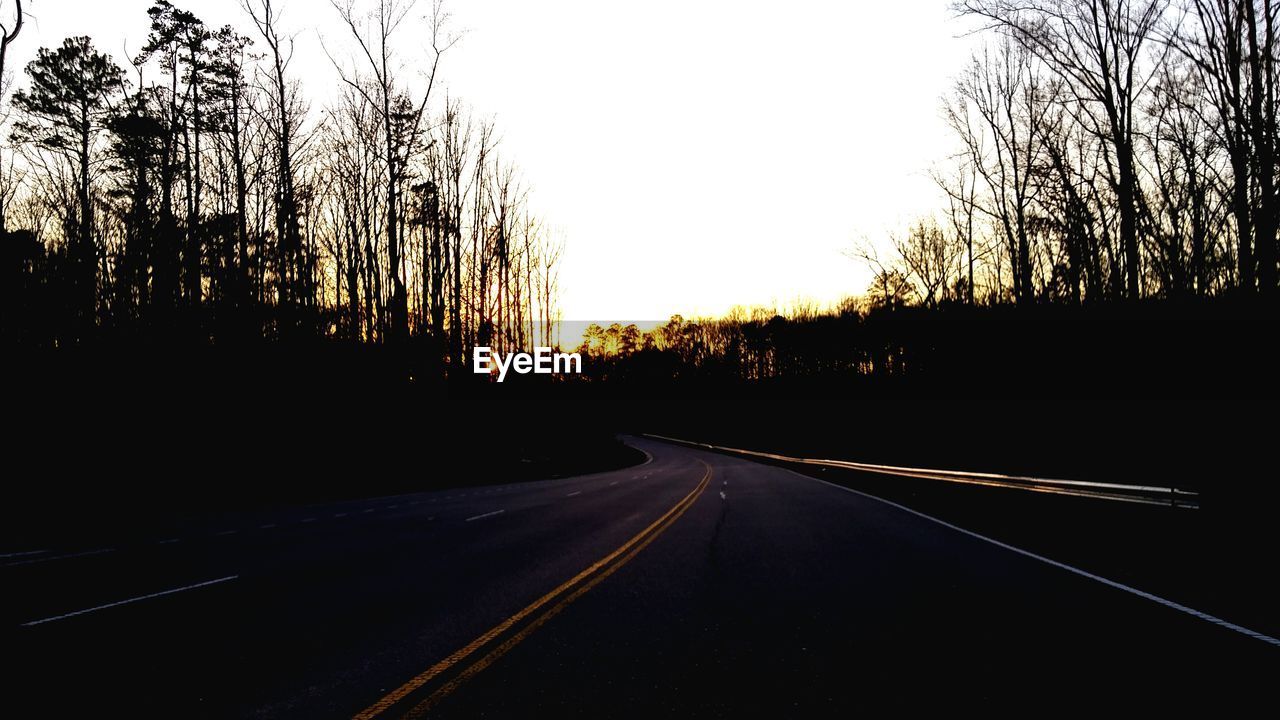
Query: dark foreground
point(727, 589)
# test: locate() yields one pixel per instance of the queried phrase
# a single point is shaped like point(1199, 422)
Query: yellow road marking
point(628, 549)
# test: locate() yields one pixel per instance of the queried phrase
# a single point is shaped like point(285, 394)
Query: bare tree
point(997, 110)
point(7, 36)
point(8, 184)
point(961, 190)
point(931, 257)
point(1232, 48)
point(1097, 48)
point(890, 287)
point(401, 117)
point(289, 257)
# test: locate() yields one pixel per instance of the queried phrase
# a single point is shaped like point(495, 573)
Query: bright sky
point(697, 154)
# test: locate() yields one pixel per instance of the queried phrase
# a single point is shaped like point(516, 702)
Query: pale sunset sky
point(695, 154)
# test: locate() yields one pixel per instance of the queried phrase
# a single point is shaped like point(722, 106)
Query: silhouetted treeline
point(1182, 392)
point(856, 340)
point(1106, 149)
point(195, 194)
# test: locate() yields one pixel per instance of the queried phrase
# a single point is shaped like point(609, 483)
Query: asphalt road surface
point(694, 585)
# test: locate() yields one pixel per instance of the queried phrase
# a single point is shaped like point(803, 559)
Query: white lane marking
point(228, 532)
point(1063, 566)
point(647, 457)
point(266, 526)
point(615, 482)
point(367, 510)
point(25, 553)
point(118, 603)
point(340, 515)
point(68, 556)
point(484, 515)
point(575, 492)
point(169, 541)
point(307, 520)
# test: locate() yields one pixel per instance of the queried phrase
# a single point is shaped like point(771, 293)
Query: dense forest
point(194, 194)
point(199, 265)
point(1106, 151)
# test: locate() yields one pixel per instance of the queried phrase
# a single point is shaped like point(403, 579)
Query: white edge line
point(648, 458)
point(1061, 565)
point(131, 600)
point(484, 515)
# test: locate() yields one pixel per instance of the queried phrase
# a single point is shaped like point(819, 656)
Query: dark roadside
point(137, 445)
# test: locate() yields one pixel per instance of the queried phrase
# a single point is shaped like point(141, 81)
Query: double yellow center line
point(557, 599)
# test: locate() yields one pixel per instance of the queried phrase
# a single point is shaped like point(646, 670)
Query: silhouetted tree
point(67, 104)
point(1096, 47)
point(7, 36)
point(401, 117)
point(292, 267)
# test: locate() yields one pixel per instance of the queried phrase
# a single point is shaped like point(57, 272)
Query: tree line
point(194, 193)
point(1107, 150)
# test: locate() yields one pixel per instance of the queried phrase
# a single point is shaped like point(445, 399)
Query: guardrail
point(1143, 494)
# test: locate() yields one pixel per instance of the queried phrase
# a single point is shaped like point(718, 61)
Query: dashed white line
point(615, 482)
point(266, 526)
point(67, 556)
point(25, 553)
point(130, 600)
point(227, 532)
point(484, 515)
point(340, 515)
point(574, 493)
point(168, 541)
point(367, 510)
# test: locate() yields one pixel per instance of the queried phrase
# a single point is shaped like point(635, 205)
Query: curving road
point(695, 585)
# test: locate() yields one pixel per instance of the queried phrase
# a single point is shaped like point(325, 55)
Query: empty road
point(694, 585)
